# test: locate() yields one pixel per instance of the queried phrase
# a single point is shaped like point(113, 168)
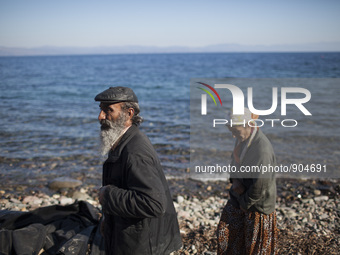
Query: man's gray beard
point(111, 132)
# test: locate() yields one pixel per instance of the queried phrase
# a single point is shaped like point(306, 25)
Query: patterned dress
point(246, 232)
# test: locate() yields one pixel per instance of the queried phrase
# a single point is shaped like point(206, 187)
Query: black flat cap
point(115, 95)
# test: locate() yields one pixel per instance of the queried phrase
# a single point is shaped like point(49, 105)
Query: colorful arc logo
point(204, 97)
point(209, 93)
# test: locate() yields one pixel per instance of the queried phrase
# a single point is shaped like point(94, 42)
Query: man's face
point(109, 112)
point(240, 132)
point(113, 121)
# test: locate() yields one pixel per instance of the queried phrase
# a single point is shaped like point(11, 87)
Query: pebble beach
point(307, 210)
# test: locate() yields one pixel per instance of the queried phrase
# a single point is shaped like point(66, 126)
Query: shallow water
point(49, 118)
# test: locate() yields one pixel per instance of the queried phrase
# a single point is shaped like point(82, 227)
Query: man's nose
point(102, 116)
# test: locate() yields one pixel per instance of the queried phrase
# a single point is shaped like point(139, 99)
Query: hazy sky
point(33, 23)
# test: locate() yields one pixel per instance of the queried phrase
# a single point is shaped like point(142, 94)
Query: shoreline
point(307, 211)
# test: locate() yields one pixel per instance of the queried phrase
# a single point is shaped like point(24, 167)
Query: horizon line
point(321, 47)
point(168, 53)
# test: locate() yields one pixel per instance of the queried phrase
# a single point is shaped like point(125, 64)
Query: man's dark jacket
point(140, 217)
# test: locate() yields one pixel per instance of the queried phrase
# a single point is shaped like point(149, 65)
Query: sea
point(48, 116)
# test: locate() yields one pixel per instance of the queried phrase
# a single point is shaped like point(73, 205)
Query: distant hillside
point(135, 49)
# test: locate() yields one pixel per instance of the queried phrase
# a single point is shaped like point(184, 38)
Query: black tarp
point(56, 229)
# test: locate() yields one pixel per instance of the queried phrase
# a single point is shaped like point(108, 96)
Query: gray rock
point(317, 192)
point(190, 226)
point(180, 199)
point(56, 196)
point(323, 216)
point(32, 200)
point(183, 214)
point(290, 213)
point(198, 214)
point(321, 198)
point(196, 223)
point(309, 216)
point(209, 253)
point(64, 182)
point(65, 200)
point(81, 196)
point(53, 165)
point(14, 200)
point(308, 201)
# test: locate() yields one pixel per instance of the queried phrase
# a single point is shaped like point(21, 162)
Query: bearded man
point(139, 215)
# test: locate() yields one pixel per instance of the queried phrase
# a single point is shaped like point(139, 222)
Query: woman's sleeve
point(258, 182)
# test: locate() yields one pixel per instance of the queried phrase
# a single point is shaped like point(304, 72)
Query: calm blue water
point(48, 118)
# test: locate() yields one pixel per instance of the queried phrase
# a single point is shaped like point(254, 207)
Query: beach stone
point(196, 208)
point(190, 226)
point(32, 200)
point(309, 216)
point(46, 203)
point(64, 182)
point(317, 192)
point(93, 202)
point(56, 196)
point(308, 201)
point(65, 200)
point(290, 213)
point(20, 206)
point(323, 216)
point(53, 165)
point(54, 201)
point(14, 200)
point(4, 203)
point(209, 253)
point(180, 199)
point(297, 227)
point(81, 196)
point(321, 198)
point(198, 214)
point(196, 223)
point(182, 233)
point(183, 214)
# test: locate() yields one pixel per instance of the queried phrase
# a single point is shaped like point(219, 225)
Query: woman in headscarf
point(248, 221)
